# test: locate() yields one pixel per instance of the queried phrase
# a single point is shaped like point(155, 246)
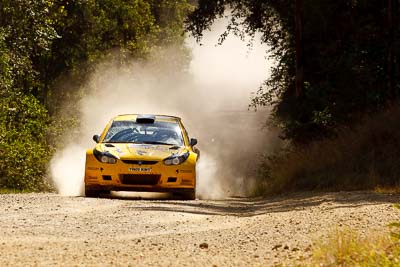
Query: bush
point(23, 131)
point(364, 157)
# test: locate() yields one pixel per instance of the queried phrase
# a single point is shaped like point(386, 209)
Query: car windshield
point(144, 133)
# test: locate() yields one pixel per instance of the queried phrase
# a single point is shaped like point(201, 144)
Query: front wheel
point(191, 195)
point(94, 193)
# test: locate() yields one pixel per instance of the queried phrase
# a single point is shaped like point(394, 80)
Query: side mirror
point(193, 142)
point(96, 138)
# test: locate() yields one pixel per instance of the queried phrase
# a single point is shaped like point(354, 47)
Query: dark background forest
point(334, 87)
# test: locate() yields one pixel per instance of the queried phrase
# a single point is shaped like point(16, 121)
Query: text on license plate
point(139, 169)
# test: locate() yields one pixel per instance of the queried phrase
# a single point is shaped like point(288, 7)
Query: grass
point(346, 247)
point(387, 189)
point(364, 157)
point(349, 248)
point(13, 191)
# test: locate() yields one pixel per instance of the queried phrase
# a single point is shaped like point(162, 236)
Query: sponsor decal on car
point(186, 171)
point(148, 147)
point(141, 152)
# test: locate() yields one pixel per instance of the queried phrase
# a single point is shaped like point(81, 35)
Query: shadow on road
point(247, 207)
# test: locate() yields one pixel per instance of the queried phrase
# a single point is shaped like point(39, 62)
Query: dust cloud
point(211, 97)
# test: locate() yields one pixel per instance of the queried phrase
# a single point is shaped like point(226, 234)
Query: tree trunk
point(391, 6)
point(299, 47)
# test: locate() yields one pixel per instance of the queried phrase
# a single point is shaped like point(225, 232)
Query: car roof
point(163, 118)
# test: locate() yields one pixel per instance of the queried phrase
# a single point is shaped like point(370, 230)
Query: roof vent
point(145, 119)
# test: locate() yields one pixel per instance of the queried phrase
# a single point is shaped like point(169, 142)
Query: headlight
point(104, 157)
point(176, 159)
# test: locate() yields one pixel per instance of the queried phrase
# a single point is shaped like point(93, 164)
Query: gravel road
point(48, 229)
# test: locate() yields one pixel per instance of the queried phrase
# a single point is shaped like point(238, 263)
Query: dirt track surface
point(48, 229)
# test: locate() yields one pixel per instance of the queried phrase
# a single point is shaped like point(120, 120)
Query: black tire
point(189, 195)
point(91, 193)
point(95, 193)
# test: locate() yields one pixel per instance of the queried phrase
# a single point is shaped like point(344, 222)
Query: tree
point(299, 47)
point(336, 60)
point(392, 22)
point(26, 34)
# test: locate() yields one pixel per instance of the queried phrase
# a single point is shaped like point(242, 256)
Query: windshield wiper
point(156, 143)
point(120, 142)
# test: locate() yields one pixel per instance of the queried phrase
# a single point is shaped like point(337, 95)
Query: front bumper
point(155, 177)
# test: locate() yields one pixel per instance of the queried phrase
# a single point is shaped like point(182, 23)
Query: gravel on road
point(49, 229)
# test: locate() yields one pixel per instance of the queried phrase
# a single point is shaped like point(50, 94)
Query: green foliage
point(92, 29)
point(23, 129)
point(26, 35)
point(6, 79)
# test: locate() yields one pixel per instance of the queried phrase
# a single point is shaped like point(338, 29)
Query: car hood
point(141, 151)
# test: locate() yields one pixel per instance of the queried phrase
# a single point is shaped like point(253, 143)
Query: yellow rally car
point(151, 153)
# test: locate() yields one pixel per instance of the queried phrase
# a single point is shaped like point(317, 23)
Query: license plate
point(139, 169)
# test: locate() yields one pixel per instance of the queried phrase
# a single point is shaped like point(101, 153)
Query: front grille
point(140, 179)
point(140, 162)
